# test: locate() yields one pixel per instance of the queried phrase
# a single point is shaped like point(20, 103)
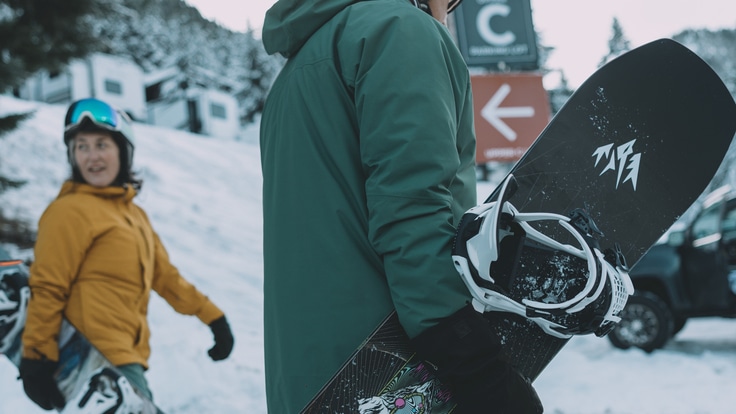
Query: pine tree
point(42, 34)
point(618, 44)
point(37, 34)
point(165, 33)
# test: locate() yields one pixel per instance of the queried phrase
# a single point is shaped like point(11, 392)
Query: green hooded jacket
point(367, 151)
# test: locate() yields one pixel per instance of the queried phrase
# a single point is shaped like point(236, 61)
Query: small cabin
point(178, 101)
point(113, 79)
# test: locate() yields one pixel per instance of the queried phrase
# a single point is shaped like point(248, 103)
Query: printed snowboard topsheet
point(634, 146)
point(88, 381)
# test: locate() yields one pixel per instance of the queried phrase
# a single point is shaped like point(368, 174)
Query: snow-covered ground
point(203, 197)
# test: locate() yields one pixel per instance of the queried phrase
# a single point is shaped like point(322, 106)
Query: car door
point(706, 260)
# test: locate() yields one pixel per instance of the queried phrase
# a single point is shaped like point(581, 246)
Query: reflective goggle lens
point(96, 111)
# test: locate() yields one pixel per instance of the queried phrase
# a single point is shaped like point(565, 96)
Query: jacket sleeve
point(64, 235)
point(177, 291)
point(412, 98)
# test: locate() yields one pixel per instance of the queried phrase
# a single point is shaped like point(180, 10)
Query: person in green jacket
point(368, 159)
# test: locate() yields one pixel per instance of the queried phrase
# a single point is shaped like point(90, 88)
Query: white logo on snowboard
point(620, 159)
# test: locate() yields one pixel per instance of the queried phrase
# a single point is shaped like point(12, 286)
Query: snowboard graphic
point(626, 156)
point(88, 381)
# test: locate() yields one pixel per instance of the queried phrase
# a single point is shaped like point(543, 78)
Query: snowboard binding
point(106, 392)
point(510, 263)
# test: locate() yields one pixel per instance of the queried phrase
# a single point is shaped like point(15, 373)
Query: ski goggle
point(99, 113)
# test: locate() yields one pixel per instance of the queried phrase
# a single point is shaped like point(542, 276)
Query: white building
point(116, 80)
point(177, 101)
point(168, 97)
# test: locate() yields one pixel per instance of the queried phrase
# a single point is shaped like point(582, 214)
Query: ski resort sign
point(511, 110)
point(497, 34)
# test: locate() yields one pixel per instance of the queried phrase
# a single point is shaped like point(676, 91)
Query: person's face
point(439, 10)
point(97, 157)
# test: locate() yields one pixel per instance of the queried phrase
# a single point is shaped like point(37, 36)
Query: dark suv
point(692, 275)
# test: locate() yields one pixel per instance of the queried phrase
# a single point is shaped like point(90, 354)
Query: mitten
point(223, 339)
point(465, 352)
point(39, 383)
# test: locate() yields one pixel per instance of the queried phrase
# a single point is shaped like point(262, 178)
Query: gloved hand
point(223, 339)
point(39, 384)
point(465, 352)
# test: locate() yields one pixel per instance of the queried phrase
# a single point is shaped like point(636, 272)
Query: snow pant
point(135, 374)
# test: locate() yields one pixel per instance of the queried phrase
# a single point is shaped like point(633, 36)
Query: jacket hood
point(289, 23)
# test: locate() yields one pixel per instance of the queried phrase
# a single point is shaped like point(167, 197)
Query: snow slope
point(203, 197)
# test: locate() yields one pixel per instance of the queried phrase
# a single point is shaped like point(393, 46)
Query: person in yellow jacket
point(97, 258)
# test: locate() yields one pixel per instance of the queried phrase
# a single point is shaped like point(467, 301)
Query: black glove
point(223, 339)
point(465, 352)
point(39, 383)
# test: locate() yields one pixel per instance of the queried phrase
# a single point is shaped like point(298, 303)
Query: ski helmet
point(511, 265)
point(91, 113)
point(14, 296)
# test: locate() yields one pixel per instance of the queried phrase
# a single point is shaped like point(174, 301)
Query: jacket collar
point(69, 187)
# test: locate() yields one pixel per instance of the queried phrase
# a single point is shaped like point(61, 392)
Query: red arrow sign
point(493, 113)
point(510, 112)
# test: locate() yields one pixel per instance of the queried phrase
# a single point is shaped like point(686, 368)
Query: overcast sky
point(578, 29)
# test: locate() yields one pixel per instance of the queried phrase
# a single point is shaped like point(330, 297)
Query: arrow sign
point(510, 111)
point(492, 113)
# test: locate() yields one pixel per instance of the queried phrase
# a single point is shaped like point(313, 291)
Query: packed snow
point(203, 196)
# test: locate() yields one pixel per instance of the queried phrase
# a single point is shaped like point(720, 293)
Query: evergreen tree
point(166, 33)
point(561, 92)
point(42, 34)
point(37, 34)
point(618, 44)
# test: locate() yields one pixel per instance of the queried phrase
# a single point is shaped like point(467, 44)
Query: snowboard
point(89, 382)
point(632, 149)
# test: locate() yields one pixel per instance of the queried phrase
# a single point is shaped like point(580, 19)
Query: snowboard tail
point(87, 380)
point(633, 147)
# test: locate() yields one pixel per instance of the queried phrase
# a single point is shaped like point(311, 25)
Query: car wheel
point(646, 323)
point(678, 325)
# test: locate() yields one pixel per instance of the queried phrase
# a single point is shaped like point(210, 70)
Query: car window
point(729, 221)
point(705, 227)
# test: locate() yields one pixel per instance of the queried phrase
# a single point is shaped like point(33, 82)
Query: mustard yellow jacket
point(96, 260)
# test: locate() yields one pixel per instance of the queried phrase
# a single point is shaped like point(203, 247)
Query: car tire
point(646, 323)
point(679, 323)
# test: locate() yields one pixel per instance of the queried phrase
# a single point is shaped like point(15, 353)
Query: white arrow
point(493, 114)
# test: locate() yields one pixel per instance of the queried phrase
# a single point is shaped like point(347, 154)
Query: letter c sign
point(483, 22)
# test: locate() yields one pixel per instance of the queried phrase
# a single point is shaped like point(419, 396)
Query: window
point(113, 87)
point(706, 226)
point(218, 111)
